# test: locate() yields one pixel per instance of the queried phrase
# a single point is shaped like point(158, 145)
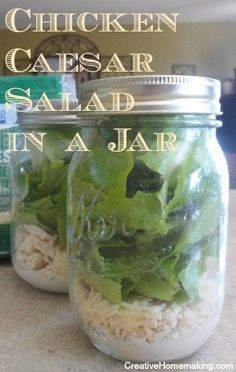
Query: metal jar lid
point(157, 94)
point(58, 116)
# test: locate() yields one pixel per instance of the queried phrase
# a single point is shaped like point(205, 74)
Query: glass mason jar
point(147, 224)
point(39, 199)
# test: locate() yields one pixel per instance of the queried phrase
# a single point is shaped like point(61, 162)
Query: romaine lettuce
point(149, 214)
point(40, 186)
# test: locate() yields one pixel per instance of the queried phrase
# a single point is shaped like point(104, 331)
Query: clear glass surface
point(147, 236)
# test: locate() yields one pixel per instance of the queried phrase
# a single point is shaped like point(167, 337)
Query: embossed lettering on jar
point(147, 229)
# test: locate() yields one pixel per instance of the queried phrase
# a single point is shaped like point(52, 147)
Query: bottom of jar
point(40, 259)
point(146, 331)
point(45, 281)
point(141, 351)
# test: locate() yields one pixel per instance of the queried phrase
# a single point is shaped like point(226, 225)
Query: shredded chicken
point(37, 250)
point(144, 319)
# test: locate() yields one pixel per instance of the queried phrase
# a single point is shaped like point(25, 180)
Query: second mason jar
point(39, 197)
point(147, 215)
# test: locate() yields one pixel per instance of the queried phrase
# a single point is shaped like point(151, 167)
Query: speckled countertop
point(38, 331)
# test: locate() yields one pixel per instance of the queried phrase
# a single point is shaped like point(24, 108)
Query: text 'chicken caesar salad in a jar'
point(39, 198)
point(147, 216)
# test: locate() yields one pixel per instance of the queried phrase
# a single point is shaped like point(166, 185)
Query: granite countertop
point(39, 333)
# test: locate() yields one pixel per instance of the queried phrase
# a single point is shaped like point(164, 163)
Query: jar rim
point(157, 94)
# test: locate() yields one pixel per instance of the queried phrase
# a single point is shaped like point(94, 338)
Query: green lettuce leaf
point(151, 286)
point(108, 288)
point(198, 227)
point(189, 279)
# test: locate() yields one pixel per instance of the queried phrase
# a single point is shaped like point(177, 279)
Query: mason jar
point(147, 216)
point(39, 197)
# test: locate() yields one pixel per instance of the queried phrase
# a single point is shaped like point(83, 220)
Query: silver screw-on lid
point(156, 94)
point(59, 116)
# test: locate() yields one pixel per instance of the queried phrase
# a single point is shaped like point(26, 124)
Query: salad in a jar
point(39, 213)
point(146, 234)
